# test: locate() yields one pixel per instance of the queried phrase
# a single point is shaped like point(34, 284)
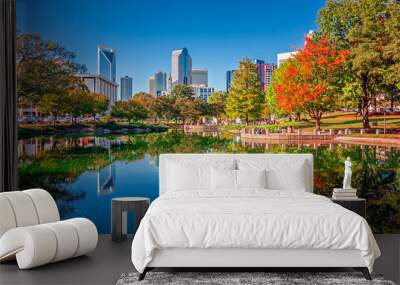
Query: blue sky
point(217, 33)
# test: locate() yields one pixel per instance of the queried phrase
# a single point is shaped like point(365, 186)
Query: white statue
point(347, 174)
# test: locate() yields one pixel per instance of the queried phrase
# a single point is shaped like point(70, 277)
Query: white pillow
point(251, 178)
point(182, 177)
point(292, 177)
point(223, 179)
point(283, 174)
point(187, 174)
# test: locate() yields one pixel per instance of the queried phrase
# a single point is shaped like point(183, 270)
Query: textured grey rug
point(229, 278)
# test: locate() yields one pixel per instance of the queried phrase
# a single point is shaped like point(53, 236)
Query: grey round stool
point(119, 208)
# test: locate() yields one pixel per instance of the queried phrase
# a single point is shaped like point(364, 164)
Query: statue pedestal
point(343, 194)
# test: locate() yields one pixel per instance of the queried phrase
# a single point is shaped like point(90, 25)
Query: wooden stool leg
point(116, 224)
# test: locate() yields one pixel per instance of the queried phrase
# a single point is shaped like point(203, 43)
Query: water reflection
point(84, 173)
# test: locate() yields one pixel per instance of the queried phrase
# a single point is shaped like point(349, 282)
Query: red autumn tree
point(308, 79)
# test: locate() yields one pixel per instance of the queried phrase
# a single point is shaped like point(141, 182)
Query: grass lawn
point(336, 120)
point(350, 120)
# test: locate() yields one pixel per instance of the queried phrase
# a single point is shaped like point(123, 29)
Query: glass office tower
point(160, 81)
point(229, 79)
point(106, 62)
point(126, 88)
point(181, 69)
point(200, 77)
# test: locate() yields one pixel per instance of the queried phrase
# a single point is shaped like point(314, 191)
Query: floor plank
point(111, 259)
point(103, 266)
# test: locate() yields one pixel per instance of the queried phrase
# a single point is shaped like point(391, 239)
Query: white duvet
point(250, 219)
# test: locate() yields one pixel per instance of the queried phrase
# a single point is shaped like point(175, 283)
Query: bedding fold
point(252, 218)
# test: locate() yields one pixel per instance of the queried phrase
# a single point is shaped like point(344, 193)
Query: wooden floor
point(111, 259)
point(103, 266)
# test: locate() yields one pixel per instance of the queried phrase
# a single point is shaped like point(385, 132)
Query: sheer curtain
point(8, 98)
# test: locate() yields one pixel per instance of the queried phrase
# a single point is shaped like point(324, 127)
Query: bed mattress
point(250, 219)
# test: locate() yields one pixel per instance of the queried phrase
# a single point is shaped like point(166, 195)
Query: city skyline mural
point(103, 91)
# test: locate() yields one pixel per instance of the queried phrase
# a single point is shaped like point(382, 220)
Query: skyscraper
point(259, 63)
point(268, 71)
point(200, 77)
point(106, 62)
point(152, 85)
point(181, 68)
point(126, 88)
point(160, 79)
point(229, 79)
point(264, 73)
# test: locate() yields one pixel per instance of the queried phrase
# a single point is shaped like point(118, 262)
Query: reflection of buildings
point(105, 181)
point(33, 146)
point(153, 160)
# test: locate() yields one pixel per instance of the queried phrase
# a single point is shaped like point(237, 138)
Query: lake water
point(83, 174)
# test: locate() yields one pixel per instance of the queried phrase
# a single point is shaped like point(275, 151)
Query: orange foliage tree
point(308, 79)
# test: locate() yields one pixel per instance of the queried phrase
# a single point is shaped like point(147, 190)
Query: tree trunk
point(318, 124)
point(364, 104)
point(392, 103)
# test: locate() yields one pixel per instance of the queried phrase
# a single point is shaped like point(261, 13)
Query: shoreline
point(369, 141)
point(27, 132)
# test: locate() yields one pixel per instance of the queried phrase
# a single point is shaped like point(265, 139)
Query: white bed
point(251, 226)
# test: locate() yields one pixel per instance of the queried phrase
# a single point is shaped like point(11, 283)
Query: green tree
point(370, 30)
point(366, 52)
point(245, 97)
point(391, 54)
point(164, 107)
point(54, 103)
point(130, 110)
point(43, 68)
point(100, 104)
point(217, 102)
point(79, 102)
point(182, 91)
point(183, 103)
point(336, 20)
point(146, 100)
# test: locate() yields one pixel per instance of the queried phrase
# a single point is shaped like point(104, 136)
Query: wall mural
point(94, 116)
